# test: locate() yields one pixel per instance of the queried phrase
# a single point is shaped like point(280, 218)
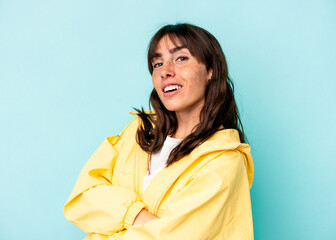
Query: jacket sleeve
point(94, 204)
point(210, 206)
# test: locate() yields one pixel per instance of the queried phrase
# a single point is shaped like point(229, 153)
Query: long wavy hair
point(219, 110)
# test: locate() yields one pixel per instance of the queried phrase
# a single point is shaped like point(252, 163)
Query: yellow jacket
point(205, 195)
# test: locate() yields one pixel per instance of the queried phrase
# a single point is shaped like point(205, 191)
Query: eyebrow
point(171, 51)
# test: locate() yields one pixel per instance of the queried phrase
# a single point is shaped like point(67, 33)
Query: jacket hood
point(224, 140)
point(228, 140)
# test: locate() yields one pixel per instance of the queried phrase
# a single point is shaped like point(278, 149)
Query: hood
point(222, 140)
point(228, 139)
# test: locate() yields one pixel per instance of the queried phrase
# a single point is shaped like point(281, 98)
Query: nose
point(167, 70)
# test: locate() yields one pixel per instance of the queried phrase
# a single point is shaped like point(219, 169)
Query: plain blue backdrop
point(70, 71)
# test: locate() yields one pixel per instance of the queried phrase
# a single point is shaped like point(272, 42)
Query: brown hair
point(219, 110)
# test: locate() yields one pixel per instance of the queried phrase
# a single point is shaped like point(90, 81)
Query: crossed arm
point(95, 205)
point(114, 212)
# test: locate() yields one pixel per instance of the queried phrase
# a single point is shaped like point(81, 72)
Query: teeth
point(171, 87)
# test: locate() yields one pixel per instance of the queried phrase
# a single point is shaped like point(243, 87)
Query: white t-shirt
point(159, 159)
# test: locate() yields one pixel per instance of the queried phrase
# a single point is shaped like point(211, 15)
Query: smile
point(171, 88)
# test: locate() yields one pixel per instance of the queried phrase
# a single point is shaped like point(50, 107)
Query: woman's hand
point(143, 217)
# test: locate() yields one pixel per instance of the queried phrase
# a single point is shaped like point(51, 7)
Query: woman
point(181, 171)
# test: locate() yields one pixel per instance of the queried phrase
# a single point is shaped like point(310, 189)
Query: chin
point(171, 108)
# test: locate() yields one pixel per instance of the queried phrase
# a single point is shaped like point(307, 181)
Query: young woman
point(181, 171)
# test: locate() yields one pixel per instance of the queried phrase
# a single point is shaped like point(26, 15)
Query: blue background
point(71, 70)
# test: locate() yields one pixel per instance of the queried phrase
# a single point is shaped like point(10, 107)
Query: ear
point(209, 75)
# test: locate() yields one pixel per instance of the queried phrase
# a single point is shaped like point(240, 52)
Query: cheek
point(156, 84)
point(198, 80)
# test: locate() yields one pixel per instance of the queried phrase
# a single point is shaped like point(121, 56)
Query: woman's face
point(178, 78)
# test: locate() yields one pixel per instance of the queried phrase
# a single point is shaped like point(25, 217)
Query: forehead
point(167, 45)
point(168, 42)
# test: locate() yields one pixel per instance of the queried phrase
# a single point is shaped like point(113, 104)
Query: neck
point(186, 121)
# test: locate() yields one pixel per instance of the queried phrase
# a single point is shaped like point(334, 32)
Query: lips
point(171, 87)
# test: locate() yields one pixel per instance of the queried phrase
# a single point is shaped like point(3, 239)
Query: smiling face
point(179, 78)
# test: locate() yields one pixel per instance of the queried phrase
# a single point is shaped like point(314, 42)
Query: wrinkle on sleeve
point(205, 209)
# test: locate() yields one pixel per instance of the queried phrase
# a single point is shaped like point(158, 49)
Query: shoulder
point(225, 163)
point(226, 156)
point(127, 134)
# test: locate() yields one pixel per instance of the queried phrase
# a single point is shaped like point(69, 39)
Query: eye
point(156, 65)
point(182, 58)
